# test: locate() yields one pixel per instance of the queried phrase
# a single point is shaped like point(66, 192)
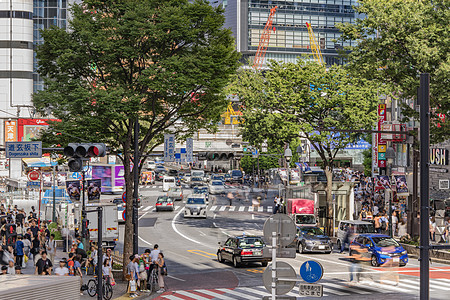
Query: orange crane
point(314, 45)
point(264, 40)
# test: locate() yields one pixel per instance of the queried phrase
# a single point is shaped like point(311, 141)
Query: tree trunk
point(128, 235)
point(330, 209)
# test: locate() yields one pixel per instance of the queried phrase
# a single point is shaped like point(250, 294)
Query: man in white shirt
point(62, 270)
point(154, 254)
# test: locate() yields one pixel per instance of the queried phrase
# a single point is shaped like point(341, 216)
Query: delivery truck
point(110, 225)
point(302, 212)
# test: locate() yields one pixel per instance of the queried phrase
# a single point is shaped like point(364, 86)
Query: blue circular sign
point(311, 271)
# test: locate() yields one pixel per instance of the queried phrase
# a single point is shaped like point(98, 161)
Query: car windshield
point(199, 174)
point(196, 201)
point(196, 179)
point(251, 242)
point(312, 231)
point(305, 219)
point(174, 190)
point(164, 199)
point(199, 190)
point(217, 183)
point(382, 241)
point(236, 173)
point(365, 228)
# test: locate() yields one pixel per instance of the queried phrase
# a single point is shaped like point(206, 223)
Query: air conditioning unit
point(444, 184)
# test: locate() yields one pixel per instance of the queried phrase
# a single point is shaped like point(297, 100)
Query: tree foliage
point(396, 40)
point(164, 62)
point(306, 100)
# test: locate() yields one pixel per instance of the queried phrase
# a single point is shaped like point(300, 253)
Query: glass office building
point(46, 13)
point(290, 39)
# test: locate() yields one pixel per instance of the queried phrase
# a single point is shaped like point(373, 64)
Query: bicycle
point(107, 288)
point(153, 280)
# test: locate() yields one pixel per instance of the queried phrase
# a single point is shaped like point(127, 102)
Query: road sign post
point(311, 271)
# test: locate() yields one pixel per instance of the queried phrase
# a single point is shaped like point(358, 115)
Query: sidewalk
point(119, 290)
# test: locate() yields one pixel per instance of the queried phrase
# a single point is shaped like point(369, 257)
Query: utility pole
point(84, 229)
point(54, 195)
point(136, 188)
point(424, 102)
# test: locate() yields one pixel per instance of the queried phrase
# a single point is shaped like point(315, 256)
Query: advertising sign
point(401, 185)
point(74, 190)
point(94, 187)
point(34, 175)
point(169, 147)
point(28, 129)
point(61, 178)
point(189, 150)
point(381, 120)
point(47, 179)
point(10, 131)
point(382, 182)
point(439, 156)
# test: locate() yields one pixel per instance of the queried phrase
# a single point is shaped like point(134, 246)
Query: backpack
point(164, 270)
point(383, 225)
point(363, 215)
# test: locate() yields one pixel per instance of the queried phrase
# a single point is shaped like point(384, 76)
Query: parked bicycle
point(153, 280)
point(92, 288)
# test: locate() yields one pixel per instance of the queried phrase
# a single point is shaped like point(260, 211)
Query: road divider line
point(147, 208)
point(174, 227)
point(142, 215)
point(202, 253)
point(176, 278)
point(145, 241)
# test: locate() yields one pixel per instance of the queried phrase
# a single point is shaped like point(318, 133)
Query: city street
point(190, 247)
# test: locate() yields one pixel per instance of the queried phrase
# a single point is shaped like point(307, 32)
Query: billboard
point(10, 131)
point(28, 129)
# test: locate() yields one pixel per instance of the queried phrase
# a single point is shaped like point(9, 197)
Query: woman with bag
point(162, 271)
point(132, 276)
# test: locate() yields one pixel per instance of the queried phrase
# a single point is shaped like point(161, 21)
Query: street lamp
point(390, 155)
point(288, 156)
point(300, 152)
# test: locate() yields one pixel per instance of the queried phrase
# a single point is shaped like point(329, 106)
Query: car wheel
point(300, 248)
point(236, 264)
point(338, 244)
point(264, 264)
point(374, 261)
point(219, 257)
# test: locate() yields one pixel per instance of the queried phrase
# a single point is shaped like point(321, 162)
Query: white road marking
point(214, 294)
point(174, 227)
point(144, 241)
point(260, 208)
point(176, 278)
point(240, 295)
point(254, 291)
point(253, 216)
point(232, 208)
point(192, 295)
point(241, 208)
point(250, 208)
point(337, 286)
point(269, 209)
point(213, 208)
point(147, 208)
point(142, 215)
point(331, 291)
point(172, 297)
point(177, 207)
point(222, 208)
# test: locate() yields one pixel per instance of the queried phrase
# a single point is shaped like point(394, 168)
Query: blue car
point(382, 248)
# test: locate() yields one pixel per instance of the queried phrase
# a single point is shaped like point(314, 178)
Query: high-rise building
point(290, 38)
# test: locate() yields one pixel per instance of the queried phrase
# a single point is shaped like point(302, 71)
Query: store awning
point(43, 162)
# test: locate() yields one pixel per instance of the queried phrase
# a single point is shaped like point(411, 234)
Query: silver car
point(175, 193)
point(216, 187)
point(195, 206)
point(164, 203)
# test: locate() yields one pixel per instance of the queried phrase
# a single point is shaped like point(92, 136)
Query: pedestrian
point(402, 228)
point(4, 270)
point(51, 248)
point(34, 228)
point(27, 246)
point(106, 270)
point(230, 197)
point(65, 236)
point(80, 244)
point(394, 223)
point(346, 240)
point(384, 223)
point(161, 272)
point(62, 270)
point(19, 246)
point(133, 276)
point(43, 265)
point(377, 223)
point(91, 262)
point(276, 204)
point(108, 256)
point(433, 229)
point(11, 268)
point(147, 262)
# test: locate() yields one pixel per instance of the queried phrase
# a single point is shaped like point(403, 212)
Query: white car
point(216, 187)
point(195, 206)
point(151, 165)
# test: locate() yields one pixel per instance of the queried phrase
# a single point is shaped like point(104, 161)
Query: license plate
point(321, 247)
point(256, 252)
point(396, 259)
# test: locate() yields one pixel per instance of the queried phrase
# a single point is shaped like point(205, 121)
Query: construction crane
point(314, 45)
point(264, 40)
point(231, 116)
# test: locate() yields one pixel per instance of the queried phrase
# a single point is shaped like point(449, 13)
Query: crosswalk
point(331, 289)
point(225, 208)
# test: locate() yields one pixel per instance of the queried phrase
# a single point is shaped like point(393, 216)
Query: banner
point(169, 147)
point(189, 150)
point(73, 188)
point(47, 179)
point(382, 183)
point(94, 187)
point(61, 178)
point(401, 185)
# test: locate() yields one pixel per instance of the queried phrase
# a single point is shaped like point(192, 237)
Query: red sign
point(10, 131)
point(382, 164)
point(381, 120)
point(124, 214)
point(34, 175)
point(124, 197)
point(28, 129)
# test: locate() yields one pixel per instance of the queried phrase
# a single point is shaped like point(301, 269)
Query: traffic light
point(82, 151)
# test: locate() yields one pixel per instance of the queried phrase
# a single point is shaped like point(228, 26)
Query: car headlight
point(384, 253)
point(404, 252)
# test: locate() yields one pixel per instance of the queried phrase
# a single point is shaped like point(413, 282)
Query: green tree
point(306, 100)
point(395, 42)
point(367, 162)
point(125, 60)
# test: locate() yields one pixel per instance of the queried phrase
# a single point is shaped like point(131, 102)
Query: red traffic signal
point(97, 150)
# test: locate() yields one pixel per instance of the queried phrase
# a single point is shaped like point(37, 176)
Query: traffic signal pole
point(136, 188)
point(84, 229)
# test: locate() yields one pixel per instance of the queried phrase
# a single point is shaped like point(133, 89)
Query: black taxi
point(242, 250)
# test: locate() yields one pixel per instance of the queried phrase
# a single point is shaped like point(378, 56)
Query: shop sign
point(10, 131)
point(439, 156)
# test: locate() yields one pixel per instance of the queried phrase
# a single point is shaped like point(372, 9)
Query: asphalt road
point(190, 247)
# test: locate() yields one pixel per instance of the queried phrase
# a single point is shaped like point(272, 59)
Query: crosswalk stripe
point(215, 295)
point(389, 287)
point(192, 295)
point(433, 284)
point(213, 208)
point(269, 208)
point(241, 208)
point(232, 208)
point(250, 208)
point(171, 297)
point(260, 208)
point(147, 208)
point(177, 207)
point(254, 291)
point(400, 284)
point(447, 281)
point(343, 288)
point(238, 294)
point(222, 208)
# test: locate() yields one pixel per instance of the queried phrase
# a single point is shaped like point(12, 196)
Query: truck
point(302, 211)
point(110, 225)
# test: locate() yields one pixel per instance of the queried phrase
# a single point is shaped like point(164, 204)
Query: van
point(359, 228)
point(168, 182)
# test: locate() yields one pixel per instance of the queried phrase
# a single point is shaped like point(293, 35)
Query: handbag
point(112, 282)
point(133, 285)
point(128, 277)
point(164, 270)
